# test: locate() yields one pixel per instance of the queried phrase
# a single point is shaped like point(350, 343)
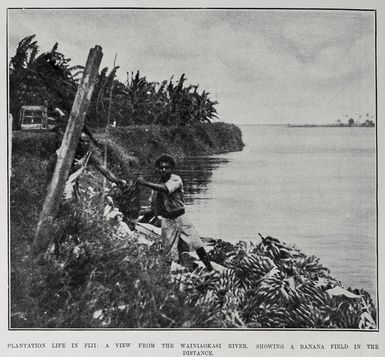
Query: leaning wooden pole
point(67, 151)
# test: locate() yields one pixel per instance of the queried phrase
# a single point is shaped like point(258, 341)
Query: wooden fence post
point(67, 151)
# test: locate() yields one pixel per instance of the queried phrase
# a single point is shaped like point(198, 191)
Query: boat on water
point(149, 231)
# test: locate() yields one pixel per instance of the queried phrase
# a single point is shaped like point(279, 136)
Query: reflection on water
point(196, 173)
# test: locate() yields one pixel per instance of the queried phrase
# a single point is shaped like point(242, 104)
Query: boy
point(168, 202)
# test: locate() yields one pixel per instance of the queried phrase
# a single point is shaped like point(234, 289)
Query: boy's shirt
point(172, 201)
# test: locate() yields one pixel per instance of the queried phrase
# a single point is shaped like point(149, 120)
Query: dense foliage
point(49, 76)
point(34, 78)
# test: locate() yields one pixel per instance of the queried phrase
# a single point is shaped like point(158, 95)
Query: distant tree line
point(363, 121)
point(34, 78)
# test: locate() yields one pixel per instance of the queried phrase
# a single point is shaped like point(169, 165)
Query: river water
point(312, 187)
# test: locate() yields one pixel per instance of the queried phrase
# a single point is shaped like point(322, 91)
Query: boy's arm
point(109, 175)
point(97, 164)
point(160, 187)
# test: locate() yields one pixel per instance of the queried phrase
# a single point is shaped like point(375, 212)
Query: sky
point(262, 66)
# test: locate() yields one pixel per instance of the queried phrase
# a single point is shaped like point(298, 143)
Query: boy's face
point(84, 142)
point(165, 170)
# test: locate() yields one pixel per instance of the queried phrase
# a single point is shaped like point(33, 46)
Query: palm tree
point(35, 78)
point(21, 74)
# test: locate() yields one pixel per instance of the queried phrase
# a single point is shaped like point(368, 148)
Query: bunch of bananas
point(310, 266)
point(266, 315)
point(273, 248)
point(313, 293)
point(347, 318)
point(250, 269)
point(307, 316)
point(221, 251)
point(227, 280)
point(270, 288)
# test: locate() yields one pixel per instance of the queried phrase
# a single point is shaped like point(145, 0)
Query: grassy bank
point(147, 141)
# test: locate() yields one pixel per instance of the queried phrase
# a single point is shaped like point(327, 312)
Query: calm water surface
point(312, 187)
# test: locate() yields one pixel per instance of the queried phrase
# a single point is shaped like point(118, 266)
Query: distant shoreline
point(308, 125)
point(326, 126)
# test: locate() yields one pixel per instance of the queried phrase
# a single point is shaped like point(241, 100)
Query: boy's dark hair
point(165, 158)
